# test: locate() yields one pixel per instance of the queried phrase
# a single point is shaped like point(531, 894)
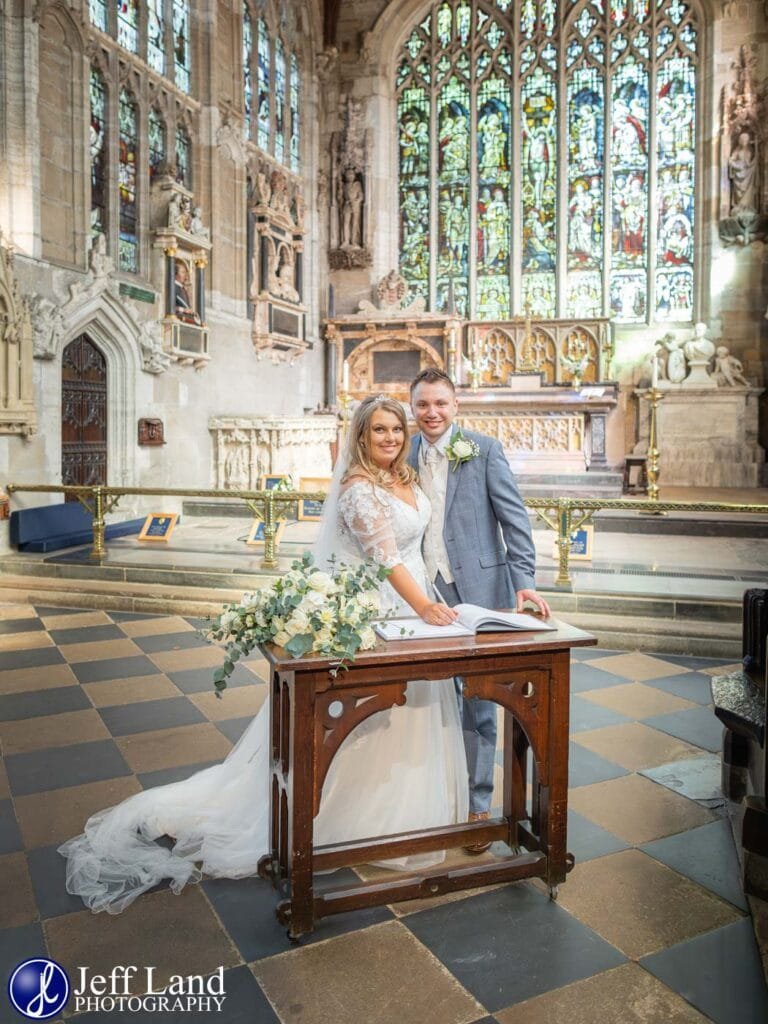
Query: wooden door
point(83, 414)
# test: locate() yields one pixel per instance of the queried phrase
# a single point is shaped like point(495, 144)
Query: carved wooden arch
point(331, 730)
point(389, 339)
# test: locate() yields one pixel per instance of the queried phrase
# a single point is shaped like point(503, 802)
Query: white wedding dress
point(400, 770)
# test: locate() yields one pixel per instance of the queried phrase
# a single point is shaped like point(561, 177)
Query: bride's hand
point(438, 614)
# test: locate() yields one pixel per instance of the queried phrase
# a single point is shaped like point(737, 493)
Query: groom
point(478, 546)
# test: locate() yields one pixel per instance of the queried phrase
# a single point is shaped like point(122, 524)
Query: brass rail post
point(564, 519)
point(270, 528)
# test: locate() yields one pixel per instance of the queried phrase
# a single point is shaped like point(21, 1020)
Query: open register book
point(472, 619)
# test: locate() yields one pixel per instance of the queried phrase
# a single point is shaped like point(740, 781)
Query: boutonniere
point(460, 449)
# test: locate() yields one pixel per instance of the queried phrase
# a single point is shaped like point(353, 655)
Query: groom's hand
point(534, 598)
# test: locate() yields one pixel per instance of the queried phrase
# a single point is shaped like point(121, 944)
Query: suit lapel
point(413, 454)
point(453, 480)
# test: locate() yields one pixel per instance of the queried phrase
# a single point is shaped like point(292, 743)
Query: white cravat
point(434, 482)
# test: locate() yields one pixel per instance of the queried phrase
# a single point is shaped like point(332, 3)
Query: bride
point(410, 759)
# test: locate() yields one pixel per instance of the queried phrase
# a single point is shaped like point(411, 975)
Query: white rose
point(281, 638)
point(321, 582)
point(369, 601)
point(298, 622)
point(367, 639)
point(324, 636)
point(462, 449)
point(312, 601)
point(226, 619)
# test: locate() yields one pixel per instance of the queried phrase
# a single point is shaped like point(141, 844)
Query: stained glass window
point(295, 156)
point(263, 116)
point(98, 153)
point(128, 249)
point(183, 157)
point(494, 216)
point(181, 49)
point(97, 10)
point(156, 35)
point(247, 76)
point(279, 101)
point(128, 24)
point(156, 140)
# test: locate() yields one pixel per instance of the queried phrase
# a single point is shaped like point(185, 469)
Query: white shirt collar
point(441, 443)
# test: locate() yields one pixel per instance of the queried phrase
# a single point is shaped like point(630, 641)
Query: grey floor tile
point(10, 837)
point(37, 657)
point(707, 855)
point(589, 677)
point(86, 634)
point(585, 714)
point(114, 668)
point(15, 707)
point(148, 715)
point(719, 973)
point(698, 726)
point(586, 767)
point(64, 766)
point(169, 642)
point(511, 944)
point(198, 623)
point(233, 728)
point(586, 841)
point(590, 653)
point(16, 946)
point(165, 775)
point(49, 609)
point(200, 680)
point(48, 871)
point(131, 616)
point(247, 910)
point(695, 686)
point(691, 661)
point(698, 778)
point(30, 625)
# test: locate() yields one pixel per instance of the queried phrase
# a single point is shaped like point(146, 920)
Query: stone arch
point(116, 335)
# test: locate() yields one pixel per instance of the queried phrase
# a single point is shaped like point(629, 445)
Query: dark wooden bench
point(741, 704)
point(68, 525)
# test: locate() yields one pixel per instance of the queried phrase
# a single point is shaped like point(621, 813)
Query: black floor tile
point(28, 625)
point(586, 841)
point(511, 944)
point(37, 657)
point(590, 677)
point(35, 703)
point(698, 726)
point(695, 686)
point(169, 642)
point(86, 634)
point(247, 910)
point(586, 767)
point(244, 1003)
point(147, 715)
point(114, 668)
point(233, 728)
point(200, 680)
point(10, 836)
point(719, 973)
point(707, 855)
point(591, 653)
point(48, 871)
point(165, 775)
point(16, 946)
point(60, 767)
point(587, 715)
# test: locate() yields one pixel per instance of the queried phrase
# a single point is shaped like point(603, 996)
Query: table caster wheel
point(554, 892)
point(264, 867)
point(295, 940)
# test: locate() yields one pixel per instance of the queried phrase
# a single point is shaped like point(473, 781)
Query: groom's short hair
point(432, 376)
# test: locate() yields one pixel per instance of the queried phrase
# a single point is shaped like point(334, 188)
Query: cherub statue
point(728, 369)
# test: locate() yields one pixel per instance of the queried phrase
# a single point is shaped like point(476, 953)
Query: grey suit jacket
point(486, 529)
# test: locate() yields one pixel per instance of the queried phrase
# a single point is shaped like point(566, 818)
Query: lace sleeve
point(368, 517)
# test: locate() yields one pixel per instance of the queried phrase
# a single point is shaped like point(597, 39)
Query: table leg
point(515, 772)
point(554, 797)
point(300, 811)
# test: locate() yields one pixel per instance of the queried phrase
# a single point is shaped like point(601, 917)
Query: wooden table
point(313, 711)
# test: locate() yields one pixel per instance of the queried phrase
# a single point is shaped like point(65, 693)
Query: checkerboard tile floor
point(651, 926)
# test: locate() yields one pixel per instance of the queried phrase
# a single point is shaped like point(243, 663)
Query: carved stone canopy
point(17, 415)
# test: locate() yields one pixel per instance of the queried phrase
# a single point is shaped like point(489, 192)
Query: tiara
point(380, 398)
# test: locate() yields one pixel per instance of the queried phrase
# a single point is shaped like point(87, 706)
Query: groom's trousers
point(478, 720)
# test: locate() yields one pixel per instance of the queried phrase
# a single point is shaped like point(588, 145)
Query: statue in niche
point(286, 275)
point(101, 267)
point(279, 199)
point(728, 369)
point(196, 226)
point(352, 198)
point(742, 171)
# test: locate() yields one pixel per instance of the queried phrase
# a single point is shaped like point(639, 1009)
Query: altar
point(314, 708)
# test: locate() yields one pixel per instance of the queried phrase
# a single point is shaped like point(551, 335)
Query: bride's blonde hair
point(359, 459)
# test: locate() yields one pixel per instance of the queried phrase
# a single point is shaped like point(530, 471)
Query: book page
point(417, 629)
point(488, 620)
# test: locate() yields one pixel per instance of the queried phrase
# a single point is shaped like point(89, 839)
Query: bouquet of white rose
point(305, 610)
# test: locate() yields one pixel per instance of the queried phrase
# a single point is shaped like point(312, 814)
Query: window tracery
point(548, 148)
